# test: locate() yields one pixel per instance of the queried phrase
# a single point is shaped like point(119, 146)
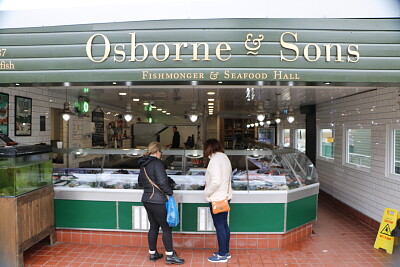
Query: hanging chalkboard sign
point(98, 135)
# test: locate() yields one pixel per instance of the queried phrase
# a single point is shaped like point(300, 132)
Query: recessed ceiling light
point(219, 82)
point(136, 99)
point(114, 83)
point(121, 93)
point(211, 104)
point(146, 103)
point(211, 99)
point(152, 106)
point(327, 83)
point(164, 111)
point(210, 93)
point(159, 109)
point(17, 84)
point(168, 113)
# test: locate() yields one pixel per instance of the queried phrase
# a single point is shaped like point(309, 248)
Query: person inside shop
point(176, 139)
point(218, 187)
point(156, 187)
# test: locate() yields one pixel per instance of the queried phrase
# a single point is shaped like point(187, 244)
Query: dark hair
point(212, 146)
point(175, 127)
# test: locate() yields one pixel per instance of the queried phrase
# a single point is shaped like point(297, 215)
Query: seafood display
point(278, 171)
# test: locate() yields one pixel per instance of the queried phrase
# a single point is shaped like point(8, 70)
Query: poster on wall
point(4, 113)
point(23, 116)
point(98, 135)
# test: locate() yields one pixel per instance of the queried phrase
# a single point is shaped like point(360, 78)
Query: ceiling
point(229, 100)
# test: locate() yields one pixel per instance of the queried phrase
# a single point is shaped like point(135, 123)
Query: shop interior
point(237, 115)
point(265, 119)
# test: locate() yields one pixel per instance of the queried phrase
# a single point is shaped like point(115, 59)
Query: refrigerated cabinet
point(274, 191)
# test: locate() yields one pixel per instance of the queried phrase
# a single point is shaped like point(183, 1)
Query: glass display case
point(258, 169)
point(98, 189)
point(24, 169)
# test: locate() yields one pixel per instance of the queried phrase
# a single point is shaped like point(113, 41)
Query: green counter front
point(251, 211)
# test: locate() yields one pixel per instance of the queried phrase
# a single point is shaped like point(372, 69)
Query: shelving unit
point(119, 129)
point(234, 133)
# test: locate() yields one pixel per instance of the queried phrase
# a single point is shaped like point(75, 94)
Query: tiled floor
point(337, 241)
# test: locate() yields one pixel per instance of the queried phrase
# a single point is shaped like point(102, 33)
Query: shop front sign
point(278, 50)
point(290, 51)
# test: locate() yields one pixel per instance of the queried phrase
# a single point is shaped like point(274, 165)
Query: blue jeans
point(223, 232)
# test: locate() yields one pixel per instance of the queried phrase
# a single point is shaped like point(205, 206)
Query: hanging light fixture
point(128, 112)
point(290, 117)
point(260, 108)
point(193, 114)
point(66, 113)
point(277, 118)
point(193, 117)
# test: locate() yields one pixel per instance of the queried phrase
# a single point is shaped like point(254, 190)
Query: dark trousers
point(157, 215)
point(223, 232)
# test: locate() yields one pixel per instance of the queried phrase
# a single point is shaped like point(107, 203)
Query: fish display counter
point(274, 190)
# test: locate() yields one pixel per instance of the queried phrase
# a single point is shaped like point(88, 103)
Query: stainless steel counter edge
point(187, 196)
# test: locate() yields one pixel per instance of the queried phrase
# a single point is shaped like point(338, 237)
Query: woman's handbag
point(171, 204)
point(222, 205)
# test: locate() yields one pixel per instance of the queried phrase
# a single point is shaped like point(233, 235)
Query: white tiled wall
point(42, 101)
point(369, 192)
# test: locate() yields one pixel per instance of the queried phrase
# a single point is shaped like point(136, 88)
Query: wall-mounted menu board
point(98, 135)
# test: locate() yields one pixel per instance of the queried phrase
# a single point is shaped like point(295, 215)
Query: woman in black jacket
point(154, 201)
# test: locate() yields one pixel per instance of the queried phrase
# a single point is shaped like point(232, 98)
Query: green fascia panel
point(254, 217)
point(189, 216)
point(263, 62)
point(85, 214)
point(76, 52)
point(257, 217)
point(125, 214)
point(313, 75)
point(238, 23)
point(57, 54)
point(301, 211)
point(197, 36)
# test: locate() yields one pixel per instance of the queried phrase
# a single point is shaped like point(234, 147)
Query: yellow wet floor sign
point(384, 239)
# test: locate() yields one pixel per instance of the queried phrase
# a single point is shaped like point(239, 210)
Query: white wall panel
point(369, 192)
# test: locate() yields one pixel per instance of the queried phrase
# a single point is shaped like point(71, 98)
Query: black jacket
point(156, 172)
point(176, 140)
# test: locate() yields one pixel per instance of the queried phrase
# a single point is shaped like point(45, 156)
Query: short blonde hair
point(153, 148)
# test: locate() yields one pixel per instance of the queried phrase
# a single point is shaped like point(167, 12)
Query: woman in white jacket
point(218, 177)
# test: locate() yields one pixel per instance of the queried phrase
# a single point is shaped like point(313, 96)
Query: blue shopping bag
point(172, 212)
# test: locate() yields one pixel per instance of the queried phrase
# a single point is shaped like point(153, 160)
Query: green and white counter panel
point(251, 211)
